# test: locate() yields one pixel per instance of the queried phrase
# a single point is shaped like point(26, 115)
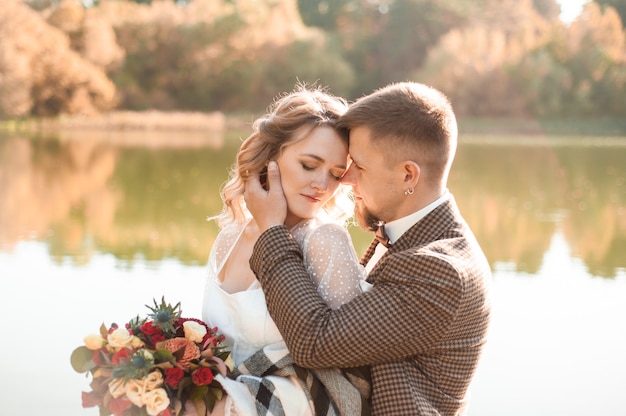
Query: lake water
point(94, 226)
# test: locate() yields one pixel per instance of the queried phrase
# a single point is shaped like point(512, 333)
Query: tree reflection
point(515, 196)
point(167, 194)
point(57, 192)
point(596, 226)
point(137, 203)
point(508, 197)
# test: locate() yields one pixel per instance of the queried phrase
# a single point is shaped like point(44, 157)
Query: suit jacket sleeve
point(413, 302)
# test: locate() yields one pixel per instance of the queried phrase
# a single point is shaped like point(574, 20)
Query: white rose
point(120, 338)
point(136, 342)
point(194, 331)
point(153, 380)
point(94, 341)
point(156, 401)
point(135, 390)
point(117, 387)
point(147, 355)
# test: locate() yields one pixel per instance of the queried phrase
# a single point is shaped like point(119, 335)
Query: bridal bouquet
point(153, 366)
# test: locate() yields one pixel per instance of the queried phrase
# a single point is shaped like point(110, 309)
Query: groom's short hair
point(408, 120)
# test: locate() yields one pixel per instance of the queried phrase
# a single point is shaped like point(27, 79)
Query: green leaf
point(161, 356)
point(198, 392)
point(104, 331)
point(81, 359)
point(201, 407)
point(218, 393)
point(182, 387)
point(213, 395)
point(104, 411)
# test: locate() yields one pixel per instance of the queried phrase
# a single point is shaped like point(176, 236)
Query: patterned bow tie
point(382, 236)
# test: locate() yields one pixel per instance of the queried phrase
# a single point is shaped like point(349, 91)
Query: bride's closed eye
point(335, 175)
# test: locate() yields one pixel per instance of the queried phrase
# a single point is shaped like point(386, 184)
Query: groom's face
point(372, 180)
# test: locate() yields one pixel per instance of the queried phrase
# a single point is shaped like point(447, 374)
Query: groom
point(422, 326)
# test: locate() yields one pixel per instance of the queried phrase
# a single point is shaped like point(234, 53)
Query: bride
point(299, 132)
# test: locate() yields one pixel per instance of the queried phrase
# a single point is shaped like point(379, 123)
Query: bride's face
point(310, 171)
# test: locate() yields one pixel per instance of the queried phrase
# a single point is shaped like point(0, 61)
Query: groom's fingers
point(268, 207)
point(273, 178)
point(253, 183)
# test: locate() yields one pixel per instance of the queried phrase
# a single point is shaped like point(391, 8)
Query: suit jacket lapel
point(429, 228)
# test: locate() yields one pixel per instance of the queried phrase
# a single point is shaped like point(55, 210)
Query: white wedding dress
point(244, 320)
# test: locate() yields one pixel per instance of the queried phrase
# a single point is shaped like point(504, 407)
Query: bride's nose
point(320, 183)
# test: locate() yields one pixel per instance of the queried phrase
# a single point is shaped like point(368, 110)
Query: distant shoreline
point(218, 122)
point(126, 121)
point(538, 127)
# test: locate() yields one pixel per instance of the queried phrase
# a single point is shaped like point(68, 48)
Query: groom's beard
point(365, 218)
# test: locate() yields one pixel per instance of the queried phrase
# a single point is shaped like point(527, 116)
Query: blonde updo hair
point(290, 115)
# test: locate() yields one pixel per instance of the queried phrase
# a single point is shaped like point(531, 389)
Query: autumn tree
point(549, 9)
point(39, 72)
point(618, 5)
point(505, 58)
point(470, 64)
point(220, 56)
point(581, 71)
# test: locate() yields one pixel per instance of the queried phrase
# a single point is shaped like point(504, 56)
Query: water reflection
point(58, 192)
point(516, 196)
point(86, 196)
point(147, 203)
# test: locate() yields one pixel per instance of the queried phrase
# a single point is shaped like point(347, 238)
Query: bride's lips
point(311, 198)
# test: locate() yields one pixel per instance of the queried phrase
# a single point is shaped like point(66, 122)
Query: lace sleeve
point(333, 264)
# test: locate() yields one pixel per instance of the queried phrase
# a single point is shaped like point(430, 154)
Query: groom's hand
point(269, 207)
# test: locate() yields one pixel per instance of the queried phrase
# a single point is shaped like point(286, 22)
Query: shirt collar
point(396, 228)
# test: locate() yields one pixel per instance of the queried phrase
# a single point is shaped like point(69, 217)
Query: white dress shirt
point(396, 228)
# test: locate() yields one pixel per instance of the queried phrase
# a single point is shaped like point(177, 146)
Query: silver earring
point(409, 191)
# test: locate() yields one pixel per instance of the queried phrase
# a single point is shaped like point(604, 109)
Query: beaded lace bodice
point(242, 317)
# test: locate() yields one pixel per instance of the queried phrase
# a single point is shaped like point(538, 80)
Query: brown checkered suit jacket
point(421, 328)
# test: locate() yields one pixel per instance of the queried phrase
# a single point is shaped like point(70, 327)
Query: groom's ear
point(411, 173)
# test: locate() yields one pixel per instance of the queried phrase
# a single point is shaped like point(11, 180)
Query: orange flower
point(191, 352)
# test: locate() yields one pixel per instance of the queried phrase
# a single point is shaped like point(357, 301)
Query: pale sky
point(570, 9)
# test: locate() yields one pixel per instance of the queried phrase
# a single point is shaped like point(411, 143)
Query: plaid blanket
point(331, 392)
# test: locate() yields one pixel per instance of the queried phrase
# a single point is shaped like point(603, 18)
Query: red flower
point(113, 327)
point(120, 355)
point(202, 376)
point(166, 412)
point(150, 329)
point(90, 399)
point(173, 376)
point(119, 405)
point(95, 357)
